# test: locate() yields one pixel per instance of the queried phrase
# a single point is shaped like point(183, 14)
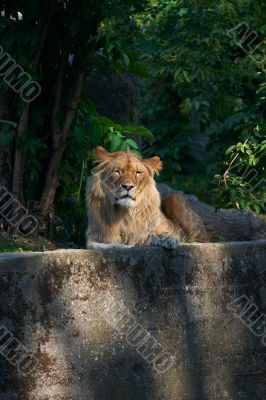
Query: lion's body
point(134, 218)
point(125, 208)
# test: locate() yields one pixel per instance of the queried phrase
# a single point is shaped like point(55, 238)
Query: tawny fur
point(110, 223)
point(176, 209)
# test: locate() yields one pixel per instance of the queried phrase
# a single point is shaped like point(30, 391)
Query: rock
point(115, 96)
point(87, 317)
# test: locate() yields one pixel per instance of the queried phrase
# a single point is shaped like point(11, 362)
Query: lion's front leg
point(166, 241)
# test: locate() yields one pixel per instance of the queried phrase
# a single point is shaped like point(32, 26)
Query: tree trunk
point(19, 156)
point(5, 156)
point(5, 171)
point(51, 181)
point(19, 161)
point(60, 135)
point(49, 190)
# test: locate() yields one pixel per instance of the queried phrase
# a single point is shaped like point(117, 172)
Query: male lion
point(124, 206)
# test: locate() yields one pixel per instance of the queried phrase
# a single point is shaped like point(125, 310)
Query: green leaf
point(132, 144)
point(123, 146)
point(115, 143)
point(138, 131)
point(257, 208)
point(187, 77)
point(182, 11)
point(230, 149)
point(126, 58)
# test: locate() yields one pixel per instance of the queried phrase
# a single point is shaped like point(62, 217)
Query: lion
point(125, 207)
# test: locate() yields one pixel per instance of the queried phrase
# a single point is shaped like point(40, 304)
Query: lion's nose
point(127, 186)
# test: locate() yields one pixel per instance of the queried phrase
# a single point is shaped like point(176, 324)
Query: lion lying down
point(124, 205)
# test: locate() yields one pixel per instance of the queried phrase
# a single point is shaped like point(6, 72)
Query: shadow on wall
point(96, 363)
point(233, 358)
point(16, 334)
point(57, 314)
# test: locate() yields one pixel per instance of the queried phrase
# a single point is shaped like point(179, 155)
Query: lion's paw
point(97, 245)
point(121, 245)
point(168, 242)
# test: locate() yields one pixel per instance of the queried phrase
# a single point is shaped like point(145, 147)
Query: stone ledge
point(55, 303)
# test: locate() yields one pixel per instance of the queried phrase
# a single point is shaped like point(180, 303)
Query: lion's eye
point(117, 171)
point(138, 172)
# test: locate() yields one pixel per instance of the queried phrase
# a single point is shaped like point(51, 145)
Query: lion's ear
point(154, 164)
point(101, 154)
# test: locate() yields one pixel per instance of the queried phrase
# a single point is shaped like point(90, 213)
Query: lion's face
point(124, 176)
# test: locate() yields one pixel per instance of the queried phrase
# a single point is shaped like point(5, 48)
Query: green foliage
point(243, 185)
point(202, 90)
point(104, 27)
point(104, 131)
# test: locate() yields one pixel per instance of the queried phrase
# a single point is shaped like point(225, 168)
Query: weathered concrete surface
point(54, 303)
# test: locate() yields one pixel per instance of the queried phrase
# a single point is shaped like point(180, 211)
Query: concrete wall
point(84, 317)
